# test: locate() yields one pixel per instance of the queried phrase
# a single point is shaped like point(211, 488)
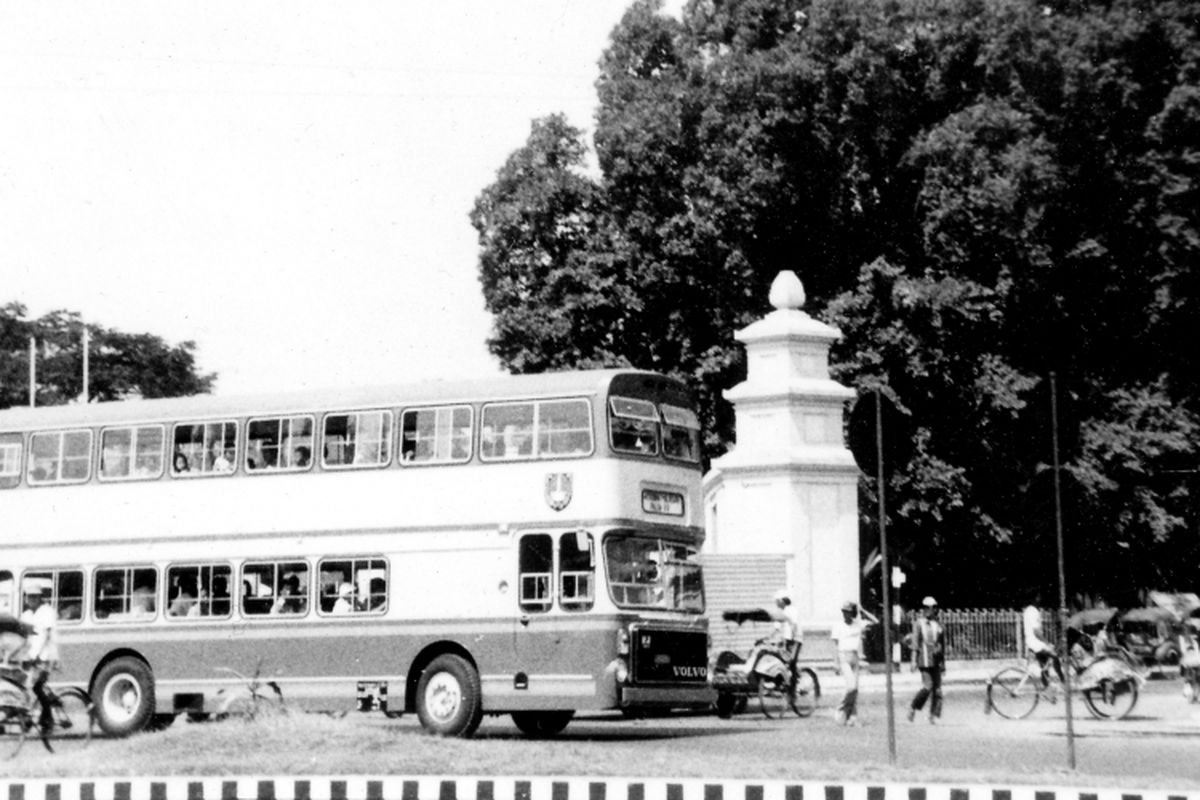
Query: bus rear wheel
point(539, 724)
point(449, 699)
point(124, 696)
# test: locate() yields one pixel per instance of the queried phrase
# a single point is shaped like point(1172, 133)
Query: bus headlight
point(622, 671)
point(622, 642)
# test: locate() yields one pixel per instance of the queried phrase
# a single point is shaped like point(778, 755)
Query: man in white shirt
point(1034, 644)
point(848, 636)
point(41, 651)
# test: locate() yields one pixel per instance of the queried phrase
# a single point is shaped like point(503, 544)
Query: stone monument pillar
point(789, 486)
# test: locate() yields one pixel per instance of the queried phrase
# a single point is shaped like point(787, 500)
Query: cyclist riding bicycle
point(785, 639)
point(41, 650)
point(1035, 645)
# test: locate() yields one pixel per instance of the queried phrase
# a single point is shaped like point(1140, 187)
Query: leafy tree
point(979, 193)
point(120, 365)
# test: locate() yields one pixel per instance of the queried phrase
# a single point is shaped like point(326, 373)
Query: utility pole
point(32, 372)
point(1062, 575)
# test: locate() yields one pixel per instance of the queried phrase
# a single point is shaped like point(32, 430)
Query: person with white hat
point(848, 638)
point(41, 650)
point(928, 656)
point(345, 599)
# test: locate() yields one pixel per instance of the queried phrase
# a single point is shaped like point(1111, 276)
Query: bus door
point(556, 583)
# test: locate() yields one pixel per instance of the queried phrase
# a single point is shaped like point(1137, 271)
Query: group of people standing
point(928, 656)
point(928, 647)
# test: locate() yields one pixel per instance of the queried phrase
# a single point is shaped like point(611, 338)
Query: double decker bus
point(523, 545)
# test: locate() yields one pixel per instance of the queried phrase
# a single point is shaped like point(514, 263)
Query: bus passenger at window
point(301, 456)
point(145, 467)
point(179, 463)
point(141, 602)
point(39, 472)
point(517, 442)
point(345, 600)
point(219, 596)
point(377, 597)
point(185, 600)
point(289, 600)
point(222, 461)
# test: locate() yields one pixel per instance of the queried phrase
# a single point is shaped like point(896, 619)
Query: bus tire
point(124, 696)
point(542, 724)
point(449, 699)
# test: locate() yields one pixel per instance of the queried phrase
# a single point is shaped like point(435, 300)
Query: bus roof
point(501, 387)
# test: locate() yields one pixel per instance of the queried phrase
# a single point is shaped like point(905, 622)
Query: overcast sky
point(285, 183)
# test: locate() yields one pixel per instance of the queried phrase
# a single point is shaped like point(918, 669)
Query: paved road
point(1155, 746)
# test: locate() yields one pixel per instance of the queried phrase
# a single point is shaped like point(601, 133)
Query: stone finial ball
point(786, 291)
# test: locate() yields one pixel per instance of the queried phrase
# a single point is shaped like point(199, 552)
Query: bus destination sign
point(655, 501)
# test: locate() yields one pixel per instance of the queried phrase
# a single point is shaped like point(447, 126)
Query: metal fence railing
point(987, 633)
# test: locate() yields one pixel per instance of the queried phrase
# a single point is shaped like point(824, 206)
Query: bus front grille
point(669, 656)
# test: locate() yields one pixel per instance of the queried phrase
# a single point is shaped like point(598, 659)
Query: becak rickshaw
point(768, 672)
point(14, 698)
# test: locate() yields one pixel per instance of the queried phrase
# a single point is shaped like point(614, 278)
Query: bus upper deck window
point(357, 440)
point(436, 435)
point(10, 460)
point(60, 457)
point(564, 428)
point(134, 453)
point(507, 432)
point(681, 433)
point(633, 426)
point(204, 448)
point(279, 445)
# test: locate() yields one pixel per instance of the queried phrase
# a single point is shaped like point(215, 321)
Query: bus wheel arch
point(123, 691)
point(447, 697)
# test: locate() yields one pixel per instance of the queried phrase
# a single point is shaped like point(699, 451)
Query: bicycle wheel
point(1111, 699)
point(74, 719)
point(14, 722)
point(771, 697)
point(1013, 693)
point(805, 692)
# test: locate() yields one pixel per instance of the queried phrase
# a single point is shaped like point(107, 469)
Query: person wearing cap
point(41, 651)
point(848, 638)
point(928, 656)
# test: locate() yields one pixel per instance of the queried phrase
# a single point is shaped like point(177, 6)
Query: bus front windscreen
point(648, 572)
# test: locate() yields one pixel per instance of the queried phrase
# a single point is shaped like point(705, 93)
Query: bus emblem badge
point(558, 490)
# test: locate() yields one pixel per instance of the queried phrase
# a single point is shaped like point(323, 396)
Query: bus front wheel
point(449, 701)
point(124, 696)
point(538, 724)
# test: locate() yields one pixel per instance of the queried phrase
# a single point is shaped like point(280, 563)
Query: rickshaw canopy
point(1090, 618)
point(1149, 615)
point(759, 614)
point(11, 625)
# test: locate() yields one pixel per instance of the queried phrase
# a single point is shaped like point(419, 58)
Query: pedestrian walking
point(848, 638)
point(928, 656)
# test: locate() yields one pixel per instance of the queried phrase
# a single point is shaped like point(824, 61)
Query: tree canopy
point(978, 193)
point(120, 365)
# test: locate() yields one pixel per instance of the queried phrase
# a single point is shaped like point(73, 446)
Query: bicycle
point(796, 685)
point(72, 716)
point(1108, 685)
point(251, 702)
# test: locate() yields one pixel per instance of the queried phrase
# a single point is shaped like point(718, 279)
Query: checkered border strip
point(444, 788)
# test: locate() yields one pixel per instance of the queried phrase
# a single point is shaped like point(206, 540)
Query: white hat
point(36, 586)
point(929, 602)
